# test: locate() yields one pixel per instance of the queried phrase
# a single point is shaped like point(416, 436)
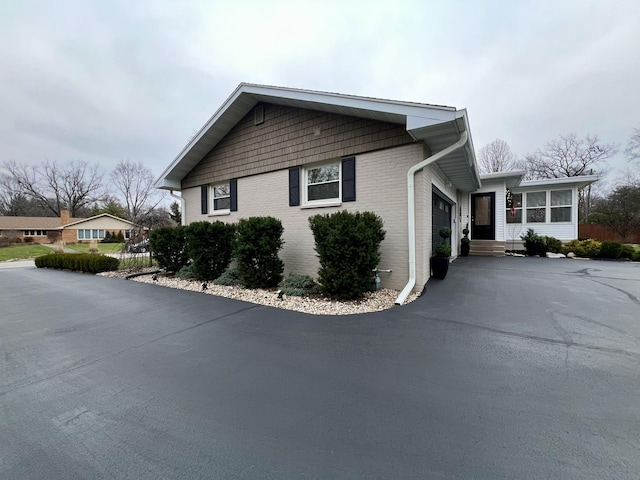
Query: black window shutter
point(294, 186)
point(204, 199)
point(233, 194)
point(349, 179)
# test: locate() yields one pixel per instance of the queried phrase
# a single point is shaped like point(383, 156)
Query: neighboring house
point(293, 153)
point(70, 230)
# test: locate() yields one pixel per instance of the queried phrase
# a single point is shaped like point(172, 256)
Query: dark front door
point(483, 216)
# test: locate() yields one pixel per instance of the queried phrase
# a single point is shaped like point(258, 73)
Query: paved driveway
point(509, 368)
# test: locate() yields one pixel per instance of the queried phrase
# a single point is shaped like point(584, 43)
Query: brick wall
point(288, 137)
point(381, 187)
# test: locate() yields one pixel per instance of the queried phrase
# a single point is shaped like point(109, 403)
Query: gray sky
point(103, 80)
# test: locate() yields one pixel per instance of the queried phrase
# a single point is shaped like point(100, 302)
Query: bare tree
point(73, 186)
point(568, 156)
point(633, 147)
point(496, 157)
point(134, 182)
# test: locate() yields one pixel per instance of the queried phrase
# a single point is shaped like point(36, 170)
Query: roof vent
point(258, 114)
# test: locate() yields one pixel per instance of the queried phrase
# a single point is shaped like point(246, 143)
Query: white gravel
point(382, 299)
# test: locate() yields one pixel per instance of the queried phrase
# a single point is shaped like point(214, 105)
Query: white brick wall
point(381, 188)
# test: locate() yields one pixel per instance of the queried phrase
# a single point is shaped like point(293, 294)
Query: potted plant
point(440, 262)
point(465, 243)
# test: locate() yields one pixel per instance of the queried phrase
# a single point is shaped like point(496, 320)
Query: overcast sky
point(102, 80)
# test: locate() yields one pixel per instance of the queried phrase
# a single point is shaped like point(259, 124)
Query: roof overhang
point(438, 126)
point(579, 181)
point(511, 178)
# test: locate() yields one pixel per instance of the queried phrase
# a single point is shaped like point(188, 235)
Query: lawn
point(16, 252)
point(102, 247)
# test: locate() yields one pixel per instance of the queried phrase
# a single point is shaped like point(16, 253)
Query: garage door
point(441, 211)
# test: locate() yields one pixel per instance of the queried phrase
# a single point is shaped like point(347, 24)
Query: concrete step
point(487, 248)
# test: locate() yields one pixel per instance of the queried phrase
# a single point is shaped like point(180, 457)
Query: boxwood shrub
point(209, 245)
point(258, 241)
point(80, 262)
point(169, 247)
point(582, 248)
point(610, 250)
point(348, 247)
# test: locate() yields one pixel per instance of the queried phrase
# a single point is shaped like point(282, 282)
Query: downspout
point(411, 210)
point(182, 216)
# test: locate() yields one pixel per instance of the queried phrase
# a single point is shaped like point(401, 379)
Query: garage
point(441, 217)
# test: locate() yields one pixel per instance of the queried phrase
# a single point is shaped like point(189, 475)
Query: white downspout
point(182, 215)
point(411, 210)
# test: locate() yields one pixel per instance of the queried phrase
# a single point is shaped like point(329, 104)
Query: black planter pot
point(464, 249)
point(439, 267)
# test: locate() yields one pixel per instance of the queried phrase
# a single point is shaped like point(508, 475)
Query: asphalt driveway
point(509, 368)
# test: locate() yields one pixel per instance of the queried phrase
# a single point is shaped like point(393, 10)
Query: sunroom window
point(536, 207)
point(517, 209)
point(561, 205)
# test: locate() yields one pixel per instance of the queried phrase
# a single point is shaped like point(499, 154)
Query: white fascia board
point(582, 180)
point(167, 184)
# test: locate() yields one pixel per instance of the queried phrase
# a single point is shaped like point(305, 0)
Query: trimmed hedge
point(627, 251)
point(610, 250)
point(80, 262)
point(258, 241)
point(582, 248)
point(210, 247)
point(169, 247)
point(348, 247)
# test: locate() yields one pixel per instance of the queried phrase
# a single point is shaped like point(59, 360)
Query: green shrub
point(348, 247)
point(186, 272)
point(297, 285)
point(534, 244)
point(111, 237)
point(443, 249)
point(228, 278)
point(627, 251)
point(582, 248)
point(258, 241)
point(553, 245)
point(169, 247)
point(610, 250)
point(209, 245)
point(636, 256)
point(82, 262)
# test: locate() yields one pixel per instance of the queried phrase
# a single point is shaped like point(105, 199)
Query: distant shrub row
point(347, 244)
point(79, 262)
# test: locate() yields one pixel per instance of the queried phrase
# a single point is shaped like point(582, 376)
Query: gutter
point(182, 206)
point(411, 210)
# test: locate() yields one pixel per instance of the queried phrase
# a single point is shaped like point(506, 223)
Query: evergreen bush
point(296, 285)
point(228, 278)
point(209, 245)
point(534, 244)
point(611, 250)
point(627, 251)
point(82, 262)
point(169, 247)
point(553, 245)
point(582, 248)
point(258, 241)
point(348, 247)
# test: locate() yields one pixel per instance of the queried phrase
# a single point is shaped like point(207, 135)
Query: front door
point(482, 216)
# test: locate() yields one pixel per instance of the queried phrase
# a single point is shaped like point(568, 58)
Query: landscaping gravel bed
point(372, 302)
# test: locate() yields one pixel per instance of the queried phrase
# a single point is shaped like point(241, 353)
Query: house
point(70, 230)
point(293, 153)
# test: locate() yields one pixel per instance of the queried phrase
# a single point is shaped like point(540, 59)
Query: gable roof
point(437, 125)
point(83, 220)
point(29, 223)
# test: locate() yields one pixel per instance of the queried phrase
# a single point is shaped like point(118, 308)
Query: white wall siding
point(381, 187)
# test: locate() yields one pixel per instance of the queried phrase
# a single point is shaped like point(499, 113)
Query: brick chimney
point(64, 217)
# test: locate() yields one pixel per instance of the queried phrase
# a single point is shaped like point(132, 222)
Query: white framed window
point(536, 207)
point(127, 234)
point(220, 198)
point(35, 233)
point(93, 234)
point(322, 184)
point(561, 204)
point(516, 198)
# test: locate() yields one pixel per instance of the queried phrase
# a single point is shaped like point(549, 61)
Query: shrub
point(534, 244)
point(636, 256)
point(627, 251)
point(553, 245)
point(186, 272)
point(82, 262)
point(169, 247)
point(610, 250)
point(209, 245)
point(297, 285)
point(443, 249)
point(228, 278)
point(348, 247)
point(258, 241)
point(582, 248)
